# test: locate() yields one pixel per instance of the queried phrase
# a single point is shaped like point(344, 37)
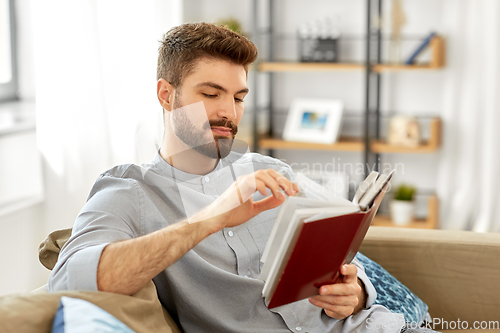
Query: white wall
point(23, 230)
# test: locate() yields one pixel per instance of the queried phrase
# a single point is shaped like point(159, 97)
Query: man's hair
point(183, 45)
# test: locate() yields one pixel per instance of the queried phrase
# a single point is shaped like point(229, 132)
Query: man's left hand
point(344, 298)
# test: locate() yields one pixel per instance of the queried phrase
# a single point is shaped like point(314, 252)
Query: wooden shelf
point(307, 67)
point(430, 223)
point(399, 68)
point(384, 147)
point(357, 145)
point(437, 61)
point(345, 144)
point(330, 67)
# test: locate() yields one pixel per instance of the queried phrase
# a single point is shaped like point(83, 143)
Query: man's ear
point(165, 93)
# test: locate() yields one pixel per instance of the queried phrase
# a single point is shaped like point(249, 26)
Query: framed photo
point(314, 120)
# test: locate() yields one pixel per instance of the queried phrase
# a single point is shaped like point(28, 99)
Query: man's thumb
point(268, 203)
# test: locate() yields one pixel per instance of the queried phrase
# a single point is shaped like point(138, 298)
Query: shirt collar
point(180, 175)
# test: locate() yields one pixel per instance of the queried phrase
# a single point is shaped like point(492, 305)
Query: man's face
point(221, 86)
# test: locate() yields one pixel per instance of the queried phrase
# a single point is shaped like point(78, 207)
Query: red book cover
point(321, 248)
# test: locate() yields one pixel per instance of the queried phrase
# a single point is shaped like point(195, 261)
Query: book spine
point(420, 48)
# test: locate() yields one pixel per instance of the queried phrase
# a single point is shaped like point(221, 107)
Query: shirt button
point(298, 328)
point(230, 233)
point(207, 179)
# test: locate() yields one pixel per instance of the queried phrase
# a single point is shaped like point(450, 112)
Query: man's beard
point(196, 138)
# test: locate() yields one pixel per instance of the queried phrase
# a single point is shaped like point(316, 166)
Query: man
point(197, 219)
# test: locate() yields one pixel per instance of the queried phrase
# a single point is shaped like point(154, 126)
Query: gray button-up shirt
point(215, 286)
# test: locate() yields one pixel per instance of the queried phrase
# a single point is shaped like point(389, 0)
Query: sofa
point(454, 272)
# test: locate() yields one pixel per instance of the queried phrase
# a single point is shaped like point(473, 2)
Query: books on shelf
point(315, 233)
point(419, 49)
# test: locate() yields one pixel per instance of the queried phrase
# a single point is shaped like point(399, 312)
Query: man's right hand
point(236, 205)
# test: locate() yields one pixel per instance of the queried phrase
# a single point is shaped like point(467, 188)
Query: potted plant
point(403, 205)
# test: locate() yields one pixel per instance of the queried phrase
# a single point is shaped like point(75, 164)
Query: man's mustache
point(221, 123)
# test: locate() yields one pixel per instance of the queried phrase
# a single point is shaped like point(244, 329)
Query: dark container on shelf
point(318, 49)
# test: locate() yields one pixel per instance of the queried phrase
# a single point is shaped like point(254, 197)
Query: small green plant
point(232, 23)
point(405, 192)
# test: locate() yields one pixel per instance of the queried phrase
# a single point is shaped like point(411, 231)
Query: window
point(8, 73)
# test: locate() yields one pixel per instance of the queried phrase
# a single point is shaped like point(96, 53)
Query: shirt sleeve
point(112, 213)
point(369, 288)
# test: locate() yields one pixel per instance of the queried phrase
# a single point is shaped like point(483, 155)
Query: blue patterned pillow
point(393, 294)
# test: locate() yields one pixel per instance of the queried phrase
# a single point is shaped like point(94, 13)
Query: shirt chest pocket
point(261, 230)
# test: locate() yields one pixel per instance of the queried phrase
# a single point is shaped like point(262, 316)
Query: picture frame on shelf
point(314, 120)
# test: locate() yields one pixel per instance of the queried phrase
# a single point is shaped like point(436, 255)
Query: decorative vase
point(402, 211)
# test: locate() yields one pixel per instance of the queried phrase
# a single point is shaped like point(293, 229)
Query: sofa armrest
point(454, 272)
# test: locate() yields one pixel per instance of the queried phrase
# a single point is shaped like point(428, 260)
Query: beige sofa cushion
point(454, 272)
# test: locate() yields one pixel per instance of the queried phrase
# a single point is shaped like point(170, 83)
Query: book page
point(369, 196)
point(365, 186)
point(310, 189)
point(331, 212)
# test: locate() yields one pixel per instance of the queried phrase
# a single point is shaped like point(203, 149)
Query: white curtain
point(470, 167)
point(95, 66)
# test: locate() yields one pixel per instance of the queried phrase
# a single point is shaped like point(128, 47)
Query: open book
point(315, 233)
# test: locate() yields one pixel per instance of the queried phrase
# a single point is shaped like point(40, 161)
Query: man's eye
point(239, 100)
point(209, 96)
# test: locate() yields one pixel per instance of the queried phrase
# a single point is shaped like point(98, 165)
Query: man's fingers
point(349, 273)
point(289, 187)
point(268, 203)
point(337, 300)
point(270, 182)
point(340, 289)
point(333, 310)
point(262, 179)
point(261, 187)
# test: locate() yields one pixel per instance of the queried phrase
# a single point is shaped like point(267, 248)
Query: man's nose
point(227, 109)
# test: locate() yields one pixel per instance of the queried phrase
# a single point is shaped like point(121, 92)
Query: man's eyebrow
point(218, 87)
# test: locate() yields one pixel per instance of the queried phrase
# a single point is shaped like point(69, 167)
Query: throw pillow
point(393, 294)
